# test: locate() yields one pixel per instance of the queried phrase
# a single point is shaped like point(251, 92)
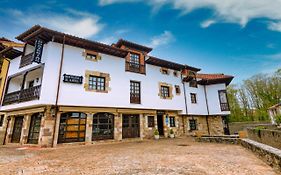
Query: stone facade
point(50, 123)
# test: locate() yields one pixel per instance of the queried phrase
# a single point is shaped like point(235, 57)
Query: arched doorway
point(103, 126)
point(72, 127)
point(34, 128)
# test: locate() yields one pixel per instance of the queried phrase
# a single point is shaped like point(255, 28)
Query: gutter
point(58, 88)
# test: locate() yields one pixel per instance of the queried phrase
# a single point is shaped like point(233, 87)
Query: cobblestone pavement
point(166, 156)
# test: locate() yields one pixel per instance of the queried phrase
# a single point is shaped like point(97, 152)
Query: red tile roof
point(207, 79)
point(212, 76)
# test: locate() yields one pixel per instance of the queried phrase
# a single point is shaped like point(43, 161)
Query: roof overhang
point(10, 53)
point(132, 45)
point(47, 35)
point(168, 64)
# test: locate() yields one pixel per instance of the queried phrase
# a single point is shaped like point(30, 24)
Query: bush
point(171, 131)
point(258, 128)
point(278, 119)
point(156, 132)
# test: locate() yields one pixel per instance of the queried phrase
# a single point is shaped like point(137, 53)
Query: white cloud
point(230, 11)
point(165, 38)
point(73, 22)
point(207, 23)
point(109, 2)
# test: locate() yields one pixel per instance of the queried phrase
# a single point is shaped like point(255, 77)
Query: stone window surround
point(99, 74)
point(170, 90)
point(163, 69)
point(98, 56)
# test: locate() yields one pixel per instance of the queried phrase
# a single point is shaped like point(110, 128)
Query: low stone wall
point(270, 155)
point(235, 127)
point(221, 139)
point(266, 136)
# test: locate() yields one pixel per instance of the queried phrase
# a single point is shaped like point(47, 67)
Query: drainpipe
point(208, 112)
point(58, 88)
point(184, 92)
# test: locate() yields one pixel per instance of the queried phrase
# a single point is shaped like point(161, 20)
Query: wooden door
point(103, 126)
point(130, 126)
point(160, 124)
point(72, 127)
point(34, 129)
point(17, 129)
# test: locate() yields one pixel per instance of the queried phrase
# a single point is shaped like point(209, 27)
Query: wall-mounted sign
point(38, 51)
point(72, 79)
point(167, 120)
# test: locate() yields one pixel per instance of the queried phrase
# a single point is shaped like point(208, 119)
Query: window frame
point(224, 106)
point(98, 87)
point(150, 121)
point(193, 98)
point(192, 124)
point(134, 91)
point(172, 121)
point(163, 93)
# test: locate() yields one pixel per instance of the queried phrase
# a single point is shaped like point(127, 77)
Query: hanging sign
point(38, 51)
point(72, 79)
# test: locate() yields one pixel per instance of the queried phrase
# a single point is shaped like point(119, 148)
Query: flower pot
point(172, 135)
point(156, 137)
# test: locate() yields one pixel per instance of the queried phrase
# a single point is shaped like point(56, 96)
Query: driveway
point(167, 156)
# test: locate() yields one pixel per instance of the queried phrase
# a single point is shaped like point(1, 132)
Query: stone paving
point(166, 156)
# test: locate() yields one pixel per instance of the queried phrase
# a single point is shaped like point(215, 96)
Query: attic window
point(178, 90)
point(193, 83)
point(91, 55)
point(164, 71)
point(175, 73)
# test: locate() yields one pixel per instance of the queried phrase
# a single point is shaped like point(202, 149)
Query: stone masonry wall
point(266, 136)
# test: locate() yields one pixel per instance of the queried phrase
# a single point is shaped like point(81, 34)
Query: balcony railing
point(26, 60)
point(224, 107)
point(133, 67)
point(29, 94)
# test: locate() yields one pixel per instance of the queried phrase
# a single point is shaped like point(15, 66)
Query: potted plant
point(172, 134)
point(156, 134)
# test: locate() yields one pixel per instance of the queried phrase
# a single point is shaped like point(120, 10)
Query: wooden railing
point(29, 94)
point(224, 107)
point(26, 60)
point(133, 67)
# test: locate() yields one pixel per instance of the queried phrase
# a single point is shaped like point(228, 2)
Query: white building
point(68, 89)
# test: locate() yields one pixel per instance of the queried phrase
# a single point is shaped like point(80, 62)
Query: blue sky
point(236, 37)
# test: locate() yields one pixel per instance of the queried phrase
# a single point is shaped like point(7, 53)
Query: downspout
point(58, 88)
point(208, 112)
point(184, 92)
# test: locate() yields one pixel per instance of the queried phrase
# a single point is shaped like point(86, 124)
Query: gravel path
point(177, 156)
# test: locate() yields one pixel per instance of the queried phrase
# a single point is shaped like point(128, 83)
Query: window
point(175, 73)
point(178, 90)
point(135, 92)
point(165, 92)
point(192, 124)
point(172, 122)
point(193, 98)
point(91, 56)
point(150, 121)
point(223, 100)
point(31, 84)
point(193, 83)
point(135, 59)
point(1, 120)
point(164, 71)
point(96, 83)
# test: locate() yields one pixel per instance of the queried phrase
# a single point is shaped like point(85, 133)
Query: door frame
point(14, 127)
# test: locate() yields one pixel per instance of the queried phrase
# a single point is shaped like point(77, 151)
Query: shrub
point(278, 119)
point(171, 131)
point(156, 132)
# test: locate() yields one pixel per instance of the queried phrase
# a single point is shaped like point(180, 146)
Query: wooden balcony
point(224, 107)
point(133, 67)
point(26, 60)
point(29, 94)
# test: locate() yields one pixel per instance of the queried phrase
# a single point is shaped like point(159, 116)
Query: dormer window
point(175, 73)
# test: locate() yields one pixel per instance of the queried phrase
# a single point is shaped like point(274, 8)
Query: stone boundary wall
point(272, 156)
point(266, 136)
point(225, 140)
point(235, 127)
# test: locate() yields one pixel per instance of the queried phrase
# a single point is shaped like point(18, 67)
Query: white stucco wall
point(119, 94)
